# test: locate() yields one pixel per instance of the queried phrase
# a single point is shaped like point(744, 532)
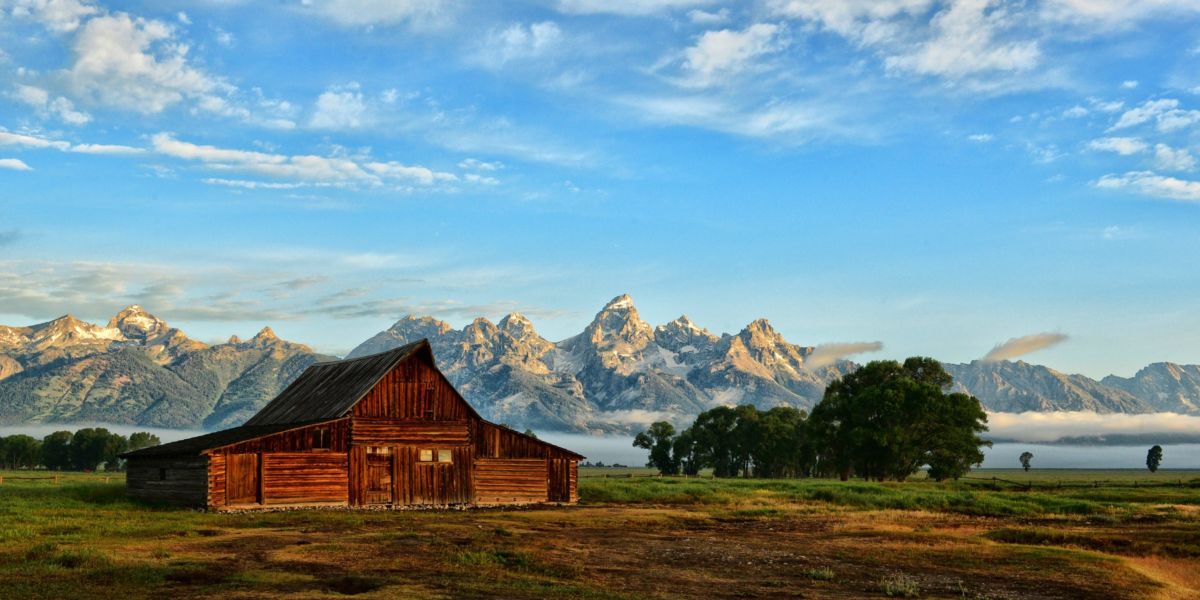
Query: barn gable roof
point(329, 390)
point(196, 445)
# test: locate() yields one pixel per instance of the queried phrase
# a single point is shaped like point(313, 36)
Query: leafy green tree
point(781, 447)
point(529, 432)
point(1154, 458)
point(659, 440)
point(685, 454)
point(1026, 457)
point(716, 443)
point(56, 450)
point(142, 439)
point(20, 451)
point(92, 447)
point(886, 419)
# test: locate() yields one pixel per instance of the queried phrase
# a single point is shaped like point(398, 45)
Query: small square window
point(445, 456)
point(426, 456)
point(162, 474)
point(320, 438)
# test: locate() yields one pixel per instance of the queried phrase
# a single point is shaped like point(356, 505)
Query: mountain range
point(616, 375)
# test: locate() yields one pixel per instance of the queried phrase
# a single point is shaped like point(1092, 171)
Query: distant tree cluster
point(886, 420)
point(85, 450)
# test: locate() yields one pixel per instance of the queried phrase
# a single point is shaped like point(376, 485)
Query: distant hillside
point(138, 370)
point(617, 375)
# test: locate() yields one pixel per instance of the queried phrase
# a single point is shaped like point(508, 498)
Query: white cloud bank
point(1051, 426)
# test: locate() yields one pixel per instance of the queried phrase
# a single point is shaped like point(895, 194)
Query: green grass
point(83, 537)
point(962, 497)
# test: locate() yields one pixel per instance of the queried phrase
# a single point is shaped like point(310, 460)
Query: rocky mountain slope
point(617, 375)
point(139, 370)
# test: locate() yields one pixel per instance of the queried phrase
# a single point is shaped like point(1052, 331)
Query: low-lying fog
point(1019, 431)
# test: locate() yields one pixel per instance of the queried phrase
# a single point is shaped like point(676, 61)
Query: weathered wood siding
point(413, 390)
point(304, 477)
point(374, 431)
point(510, 480)
point(494, 441)
point(168, 479)
point(563, 477)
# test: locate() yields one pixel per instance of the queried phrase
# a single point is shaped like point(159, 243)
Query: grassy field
point(639, 537)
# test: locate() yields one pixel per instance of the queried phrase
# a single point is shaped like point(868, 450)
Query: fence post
point(55, 479)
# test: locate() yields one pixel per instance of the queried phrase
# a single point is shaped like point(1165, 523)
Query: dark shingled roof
point(329, 390)
point(195, 445)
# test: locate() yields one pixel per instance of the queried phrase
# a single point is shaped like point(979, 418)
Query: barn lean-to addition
point(380, 430)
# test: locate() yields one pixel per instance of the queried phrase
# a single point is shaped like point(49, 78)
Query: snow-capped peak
point(622, 302)
point(135, 323)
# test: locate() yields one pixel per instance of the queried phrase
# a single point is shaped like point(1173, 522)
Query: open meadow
point(1094, 536)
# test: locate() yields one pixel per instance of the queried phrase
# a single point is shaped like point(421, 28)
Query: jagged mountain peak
point(265, 334)
point(622, 302)
point(412, 324)
point(136, 324)
point(233, 339)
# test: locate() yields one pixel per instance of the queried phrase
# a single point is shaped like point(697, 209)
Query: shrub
point(899, 585)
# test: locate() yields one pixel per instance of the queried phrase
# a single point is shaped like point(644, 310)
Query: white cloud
point(421, 175)
point(1051, 426)
point(1166, 114)
point(474, 164)
point(357, 13)
point(31, 141)
point(1124, 146)
point(134, 64)
point(60, 16)
point(828, 354)
point(59, 107)
point(626, 7)
point(15, 164)
point(864, 21)
point(34, 141)
point(980, 137)
point(1075, 112)
point(1113, 13)
point(518, 42)
point(252, 185)
point(719, 54)
point(1173, 159)
point(704, 17)
point(1154, 185)
point(310, 169)
point(964, 40)
point(105, 149)
point(340, 107)
point(1021, 346)
point(182, 17)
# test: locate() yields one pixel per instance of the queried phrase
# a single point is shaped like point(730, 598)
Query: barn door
point(559, 471)
point(242, 485)
point(379, 475)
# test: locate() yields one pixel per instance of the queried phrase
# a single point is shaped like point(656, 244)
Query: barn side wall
point(308, 465)
point(173, 480)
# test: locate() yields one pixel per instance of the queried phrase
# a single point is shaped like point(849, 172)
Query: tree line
point(886, 420)
point(85, 450)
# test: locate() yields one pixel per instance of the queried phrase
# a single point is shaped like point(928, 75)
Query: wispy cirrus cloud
point(828, 354)
point(1020, 346)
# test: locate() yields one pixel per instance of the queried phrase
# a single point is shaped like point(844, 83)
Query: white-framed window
point(425, 455)
point(444, 455)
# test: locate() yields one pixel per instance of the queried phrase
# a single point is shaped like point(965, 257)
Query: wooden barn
point(380, 430)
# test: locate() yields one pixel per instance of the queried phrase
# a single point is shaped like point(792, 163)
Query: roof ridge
point(366, 356)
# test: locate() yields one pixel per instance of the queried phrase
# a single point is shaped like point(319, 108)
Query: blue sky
point(939, 176)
